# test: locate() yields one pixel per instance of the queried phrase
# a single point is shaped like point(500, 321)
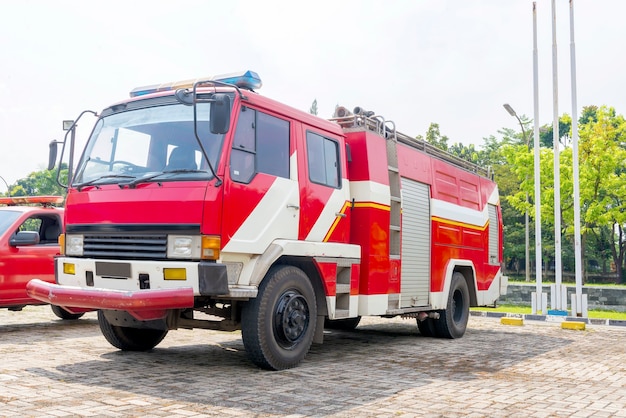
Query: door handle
point(292, 206)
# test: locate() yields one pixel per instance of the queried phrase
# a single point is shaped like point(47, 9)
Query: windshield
point(7, 217)
point(146, 142)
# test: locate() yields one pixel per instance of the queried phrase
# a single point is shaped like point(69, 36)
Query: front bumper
point(144, 305)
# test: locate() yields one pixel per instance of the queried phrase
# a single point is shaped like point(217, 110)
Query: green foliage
point(39, 183)
point(602, 184)
point(546, 131)
point(434, 137)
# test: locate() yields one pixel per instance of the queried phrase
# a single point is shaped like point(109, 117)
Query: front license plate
point(113, 270)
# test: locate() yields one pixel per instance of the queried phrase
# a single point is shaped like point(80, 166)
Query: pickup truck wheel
point(278, 326)
point(453, 320)
point(346, 324)
point(130, 339)
point(427, 327)
point(63, 314)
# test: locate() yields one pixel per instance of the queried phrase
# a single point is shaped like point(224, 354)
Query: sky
point(414, 62)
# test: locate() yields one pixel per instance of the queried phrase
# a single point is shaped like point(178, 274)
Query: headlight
point(74, 245)
point(183, 246)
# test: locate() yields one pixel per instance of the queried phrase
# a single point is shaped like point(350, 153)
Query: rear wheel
point(130, 339)
point(347, 324)
point(63, 314)
point(278, 326)
point(453, 320)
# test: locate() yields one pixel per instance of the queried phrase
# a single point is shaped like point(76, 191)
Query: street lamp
point(527, 254)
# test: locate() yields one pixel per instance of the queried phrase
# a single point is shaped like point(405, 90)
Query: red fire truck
point(202, 204)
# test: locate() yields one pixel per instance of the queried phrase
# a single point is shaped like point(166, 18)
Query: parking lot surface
point(385, 368)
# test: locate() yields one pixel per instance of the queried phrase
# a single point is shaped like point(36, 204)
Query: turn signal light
point(62, 244)
point(211, 245)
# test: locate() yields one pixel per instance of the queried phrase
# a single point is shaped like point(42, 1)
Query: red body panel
point(149, 203)
point(450, 238)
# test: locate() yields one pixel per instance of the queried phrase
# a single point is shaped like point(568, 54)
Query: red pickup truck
point(29, 241)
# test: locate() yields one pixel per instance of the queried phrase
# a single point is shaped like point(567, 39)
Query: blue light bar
point(248, 80)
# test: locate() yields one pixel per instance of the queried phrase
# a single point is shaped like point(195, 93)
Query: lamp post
point(527, 254)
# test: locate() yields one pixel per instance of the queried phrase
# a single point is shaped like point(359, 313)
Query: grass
point(521, 309)
point(569, 284)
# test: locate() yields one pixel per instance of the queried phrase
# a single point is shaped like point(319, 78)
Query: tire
point(130, 339)
point(453, 320)
point(347, 324)
point(277, 327)
point(63, 314)
point(427, 327)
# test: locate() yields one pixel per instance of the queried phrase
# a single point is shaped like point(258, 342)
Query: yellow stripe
point(455, 223)
point(345, 207)
point(371, 205)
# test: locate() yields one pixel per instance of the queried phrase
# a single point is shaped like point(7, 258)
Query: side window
point(272, 145)
point(48, 227)
point(260, 145)
point(323, 160)
point(31, 224)
point(242, 158)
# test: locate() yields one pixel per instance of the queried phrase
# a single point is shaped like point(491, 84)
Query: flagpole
point(537, 298)
point(579, 307)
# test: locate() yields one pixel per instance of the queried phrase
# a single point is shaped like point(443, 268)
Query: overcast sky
point(453, 62)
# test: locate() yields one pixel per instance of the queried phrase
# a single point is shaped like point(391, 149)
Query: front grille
point(127, 246)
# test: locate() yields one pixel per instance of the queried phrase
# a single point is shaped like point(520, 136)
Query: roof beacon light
point(248, 80)
point(31, 200)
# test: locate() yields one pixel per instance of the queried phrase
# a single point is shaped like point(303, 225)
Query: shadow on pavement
point(351, 368)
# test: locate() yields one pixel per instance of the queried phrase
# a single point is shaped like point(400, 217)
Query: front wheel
point(453, 320)
point(130, 339)
point(277, 327)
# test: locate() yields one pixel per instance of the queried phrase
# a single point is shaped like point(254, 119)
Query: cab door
point(261, 200)
point(22, 263)
point(324, 188)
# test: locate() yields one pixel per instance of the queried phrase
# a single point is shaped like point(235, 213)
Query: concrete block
point(580, 326)
point(511, 321)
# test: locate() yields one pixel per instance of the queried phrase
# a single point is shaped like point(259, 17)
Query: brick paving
point(54, 368)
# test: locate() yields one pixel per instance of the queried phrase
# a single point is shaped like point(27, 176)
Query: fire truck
point(203, 204)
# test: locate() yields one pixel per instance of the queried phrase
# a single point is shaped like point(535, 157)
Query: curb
point(551, 318)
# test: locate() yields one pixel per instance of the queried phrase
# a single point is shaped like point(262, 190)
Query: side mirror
point(25, 238)
point(220, 114)
point(52, 155)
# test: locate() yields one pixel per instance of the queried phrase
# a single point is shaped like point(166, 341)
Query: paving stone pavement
point(385, 368)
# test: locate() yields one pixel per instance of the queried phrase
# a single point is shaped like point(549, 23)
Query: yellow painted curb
point(511, 321)
point(573, 325)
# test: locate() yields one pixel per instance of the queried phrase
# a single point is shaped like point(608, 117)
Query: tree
point(313, 109)
point(602, 178)
point(40, 183)
point(434, 137)
point(565, 127)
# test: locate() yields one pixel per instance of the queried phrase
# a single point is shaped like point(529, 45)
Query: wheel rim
point(457, 306)
point(291, 319)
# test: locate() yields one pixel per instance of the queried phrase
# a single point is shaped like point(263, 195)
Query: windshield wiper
point(80, 186)
point(146, 179)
